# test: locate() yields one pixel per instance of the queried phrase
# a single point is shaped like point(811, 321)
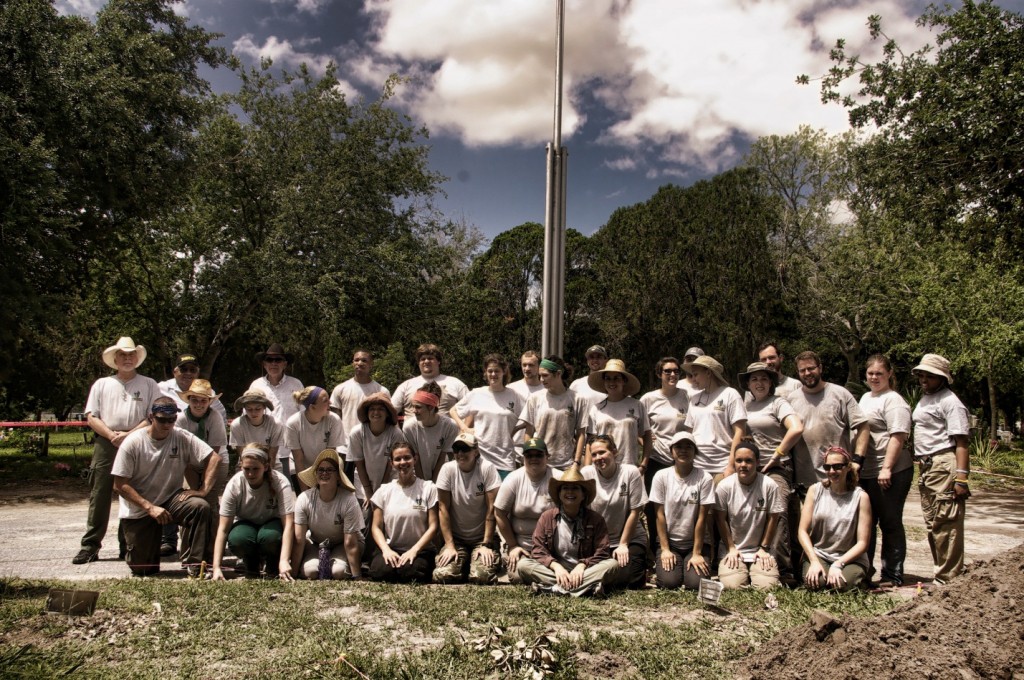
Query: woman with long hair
point(329, 523)
point(490, 414)
point(557, 415)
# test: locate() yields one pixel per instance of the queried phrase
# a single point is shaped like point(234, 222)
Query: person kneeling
point(256, 516)
point(330, 514)
point(571, 553)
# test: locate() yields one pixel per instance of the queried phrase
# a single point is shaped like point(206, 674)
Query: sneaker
point(84, 555)
point(598, 590)
point(167, 549)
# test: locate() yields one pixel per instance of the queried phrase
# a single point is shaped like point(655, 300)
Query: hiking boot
point(84, 555)
point(167, 549)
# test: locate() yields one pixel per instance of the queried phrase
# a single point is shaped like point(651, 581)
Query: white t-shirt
point(556, 418)
point(495, 415)
point(122, 405)
point(312, 438)
point(582, 387)
point(431, 443)
point(469, 490)
point(667, 416)
point(258, 505)
point(711, 418)
point(616, 497)
point(329, 520)
point(169, 388)
point(524, 501)
point(766, 422)
point(887, 414)
point(747, 508)
point(375, 451)
point(682, 498)
point(269, 434)
point(524, 390)
point(347, 397)
point(406, 511)
point(828, 417)
point(155, 468)
point(787, 386)
point(452, 391)
point(625, 420)
point(216, 433)
point(280, 396)
point(937, 418)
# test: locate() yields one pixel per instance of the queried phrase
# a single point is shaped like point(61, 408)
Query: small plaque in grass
point(72, 602)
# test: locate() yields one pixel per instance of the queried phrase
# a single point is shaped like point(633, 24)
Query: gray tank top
point(834, 523)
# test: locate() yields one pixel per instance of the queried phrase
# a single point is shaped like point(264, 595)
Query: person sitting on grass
point(571, 554)
point(256, 516)
point(747, 509)
point(148, 472)
point(330, 515)
point(683, 497)
point(835, 527)
point(404, 523)
point(466, 489)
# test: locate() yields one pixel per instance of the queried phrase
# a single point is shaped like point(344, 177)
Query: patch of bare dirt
point(604, 665)
point(971, 628)
point(404, 640)
point(46, 491)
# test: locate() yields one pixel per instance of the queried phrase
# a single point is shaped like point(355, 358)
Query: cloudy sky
point(656, 91)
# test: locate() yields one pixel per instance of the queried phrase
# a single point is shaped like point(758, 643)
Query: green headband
point(550, 366)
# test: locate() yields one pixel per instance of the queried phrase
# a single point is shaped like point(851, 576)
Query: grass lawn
point(157, 627)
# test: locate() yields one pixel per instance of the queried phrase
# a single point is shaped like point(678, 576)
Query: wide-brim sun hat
point(275, 350)
point(127, 345)
point(744, 377)
point(308, 476)
point(573, 476)
point(376, 399)
point(199, 388)
point(253, 396)
point(936, 364)
point(596, 379)
point(712, 365)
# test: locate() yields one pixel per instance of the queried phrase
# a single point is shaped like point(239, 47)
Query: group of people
point(574, 487)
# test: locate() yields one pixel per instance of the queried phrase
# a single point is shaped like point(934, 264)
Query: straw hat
point(124, 344)
point(253, 396)
point(573, 476)
point(377, 399)
point(712, 365)
point(308, 476)
point(753, 368)
point(935, 364)
point(596, 379)
point(199, 388)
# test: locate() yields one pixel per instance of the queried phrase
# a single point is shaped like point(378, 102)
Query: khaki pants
point(467, 566)
point(943, 515)
point(752, 574)
point(532, 571)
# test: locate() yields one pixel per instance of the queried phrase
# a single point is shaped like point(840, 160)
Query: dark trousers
point(143, 535)
point(256, 543)
point(420, 571)
point(680, 576)
point(650, 511)
point(887, 515)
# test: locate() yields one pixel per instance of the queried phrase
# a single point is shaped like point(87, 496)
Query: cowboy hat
point(378, 399)
point(573, 476)
point(275, 350)
point(126, 345)
point(199, 388)
point(308, 476)
point(936, 364)
point(712, 365)
point(596, 379)
point(753, 368)
point(253, 396)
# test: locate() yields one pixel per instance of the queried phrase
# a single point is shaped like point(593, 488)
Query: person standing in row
point(279, 387)
point(829, 413)
point(597, 357)
point(313, 429)
point(941, 427)
point(716, 418)
point(557, 415)
point(117, 406)
point(184, 372)
point(620, 414)
point(529, 363)
point(666, 410)
point(348, 395)
point(255, 425)
point(429, 360)
point(431, 435)
point(770, 354)
point(370, 444)
point(888, 468)
point(687, 383)
point(490, 413)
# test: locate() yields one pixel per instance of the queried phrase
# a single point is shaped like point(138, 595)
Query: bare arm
point(223, 527)
point(738, 429)
point(126, 491)
point(581, 442)
point(448, 552)
point(354, 555)
point(284, 565)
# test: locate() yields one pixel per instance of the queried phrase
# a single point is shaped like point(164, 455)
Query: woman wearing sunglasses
point(835, 526)
point(328, 522)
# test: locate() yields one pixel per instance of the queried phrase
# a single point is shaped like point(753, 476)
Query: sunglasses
point(833, 466)
point(166, 420)
point(670, 371)
point(188, 368)
point(273, 360)
point(533, 455)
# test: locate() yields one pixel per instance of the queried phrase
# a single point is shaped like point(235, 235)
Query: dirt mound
point(973, 627)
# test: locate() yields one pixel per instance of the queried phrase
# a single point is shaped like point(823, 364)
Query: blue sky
point(656, 91)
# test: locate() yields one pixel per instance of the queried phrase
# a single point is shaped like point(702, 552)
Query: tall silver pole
point(553, 298)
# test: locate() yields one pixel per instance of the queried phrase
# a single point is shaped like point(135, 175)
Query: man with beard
point(769, 353)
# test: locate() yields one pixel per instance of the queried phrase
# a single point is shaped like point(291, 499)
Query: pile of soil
point(972, 627)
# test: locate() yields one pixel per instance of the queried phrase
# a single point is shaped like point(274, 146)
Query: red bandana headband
point(426, 398)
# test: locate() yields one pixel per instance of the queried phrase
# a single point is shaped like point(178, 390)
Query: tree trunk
point(992, 404)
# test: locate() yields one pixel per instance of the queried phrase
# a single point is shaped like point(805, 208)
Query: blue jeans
point(887, 515)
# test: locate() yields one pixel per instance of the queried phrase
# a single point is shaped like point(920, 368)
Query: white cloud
point(79, 7)
point(284, 54)
point(689, 81)
point(309, 6)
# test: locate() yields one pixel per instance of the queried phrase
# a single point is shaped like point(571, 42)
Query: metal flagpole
point(553, 299)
